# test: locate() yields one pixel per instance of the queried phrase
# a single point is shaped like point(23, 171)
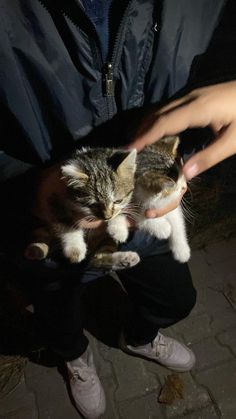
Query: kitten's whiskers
point(188, 214)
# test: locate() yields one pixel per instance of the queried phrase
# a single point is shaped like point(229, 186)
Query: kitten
point(159, 181)
point(99, 183)
point(94, 184)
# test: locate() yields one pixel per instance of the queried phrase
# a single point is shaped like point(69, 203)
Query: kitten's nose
point(108, 215)
point(108, 211)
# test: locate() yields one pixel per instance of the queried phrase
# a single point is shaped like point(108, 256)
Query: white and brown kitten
point(95, 184)
point(159, 181)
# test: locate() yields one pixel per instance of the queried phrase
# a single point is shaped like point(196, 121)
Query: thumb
point(223, 147)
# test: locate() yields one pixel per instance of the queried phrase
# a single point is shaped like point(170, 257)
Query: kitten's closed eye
point(124, 199)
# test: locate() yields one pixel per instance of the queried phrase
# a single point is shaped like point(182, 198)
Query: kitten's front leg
point(74, 246)
point(178, 239)
point(118, 228)
point(116, 260)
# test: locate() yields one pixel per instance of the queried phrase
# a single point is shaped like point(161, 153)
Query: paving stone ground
point(133, 385)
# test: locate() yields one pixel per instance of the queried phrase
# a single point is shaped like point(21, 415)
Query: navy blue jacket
point(57, 90)
point(54, 83)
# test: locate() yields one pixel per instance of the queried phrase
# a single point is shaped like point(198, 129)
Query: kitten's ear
point(128, 163)
point(74, 175)
point(170, 144)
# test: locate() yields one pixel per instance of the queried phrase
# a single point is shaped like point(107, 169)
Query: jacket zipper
point(107, 68)
point(114, 54)
point(108, 89)
point(110, 67)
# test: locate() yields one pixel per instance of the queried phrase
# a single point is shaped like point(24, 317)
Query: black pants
point(160, 289)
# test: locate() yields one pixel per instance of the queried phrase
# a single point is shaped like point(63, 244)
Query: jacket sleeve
point(10, 166)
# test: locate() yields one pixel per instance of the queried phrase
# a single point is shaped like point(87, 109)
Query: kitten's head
point(160, 169)
point(100, 181)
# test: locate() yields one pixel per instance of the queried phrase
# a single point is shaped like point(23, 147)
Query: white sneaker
point(164, 350)
point(86, 387)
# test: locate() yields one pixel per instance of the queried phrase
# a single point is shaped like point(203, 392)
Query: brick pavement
point(132, 385)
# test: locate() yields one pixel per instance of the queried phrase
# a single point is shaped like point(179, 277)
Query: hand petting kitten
point(212, 106)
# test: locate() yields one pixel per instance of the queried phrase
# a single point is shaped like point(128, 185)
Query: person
point(72, 73)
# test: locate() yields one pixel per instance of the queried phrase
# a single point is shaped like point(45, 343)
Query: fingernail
point(191, 171)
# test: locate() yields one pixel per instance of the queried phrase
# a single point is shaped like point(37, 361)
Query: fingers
point(153, 213)
point(189, 115)
point(222, 148)
point(176, 103)
point(131, 223)
point(90, 224)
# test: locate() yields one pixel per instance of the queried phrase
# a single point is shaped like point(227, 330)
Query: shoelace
point(81, 372)
point(83, 377)
point(77, 376)
point(162, 346)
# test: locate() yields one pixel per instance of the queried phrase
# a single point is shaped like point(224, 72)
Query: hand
point(150, 213)
point(153, 213)
point(99, 224)
point(212, 106)
point(91, 224)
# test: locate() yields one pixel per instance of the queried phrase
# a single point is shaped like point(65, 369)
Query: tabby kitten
point(95, 184)
point(159, 181)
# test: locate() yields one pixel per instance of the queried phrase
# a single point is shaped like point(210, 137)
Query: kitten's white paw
point(124, 260)
point(118, 232)
point(163, 231)
point(75, 254)
point(158, 228)
point(182, 254)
